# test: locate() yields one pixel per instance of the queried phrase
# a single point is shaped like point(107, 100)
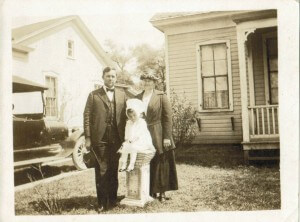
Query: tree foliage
point(122, 58)
point(152, 60)
point(140, 59)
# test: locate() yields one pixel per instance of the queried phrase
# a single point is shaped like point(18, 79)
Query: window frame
point(267, 79)
point(48, 75)
point(199, 77)
point(73, 49)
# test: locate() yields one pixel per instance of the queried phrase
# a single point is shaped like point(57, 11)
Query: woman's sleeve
point(166, 117)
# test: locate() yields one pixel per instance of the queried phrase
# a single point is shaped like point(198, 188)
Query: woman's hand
point(167, 143)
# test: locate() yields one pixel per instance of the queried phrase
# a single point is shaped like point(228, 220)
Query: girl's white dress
point(137, 138)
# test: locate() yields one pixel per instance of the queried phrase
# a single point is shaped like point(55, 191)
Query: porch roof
point(163, 20)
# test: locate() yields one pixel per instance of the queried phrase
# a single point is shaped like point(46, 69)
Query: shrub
point(49, 199)
point(184, 119)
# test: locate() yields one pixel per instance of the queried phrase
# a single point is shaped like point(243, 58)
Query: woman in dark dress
point(163, 175)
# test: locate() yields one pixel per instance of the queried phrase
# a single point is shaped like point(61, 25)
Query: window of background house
point(51, 96)
point(70, 49)
point(215, 76)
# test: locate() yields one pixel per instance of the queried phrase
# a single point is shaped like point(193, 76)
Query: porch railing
point(264, 121)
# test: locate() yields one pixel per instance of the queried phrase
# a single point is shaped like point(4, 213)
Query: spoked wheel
point(78, 152)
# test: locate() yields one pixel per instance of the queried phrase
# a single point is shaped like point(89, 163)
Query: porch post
point(250, 73)
point(167, 74)
point(242, 38)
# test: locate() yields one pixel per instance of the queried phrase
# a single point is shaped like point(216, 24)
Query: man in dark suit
point(104, 126)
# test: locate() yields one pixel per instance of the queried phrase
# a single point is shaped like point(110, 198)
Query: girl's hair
point(129, 111)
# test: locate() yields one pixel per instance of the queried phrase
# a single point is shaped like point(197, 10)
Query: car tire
point(79, 150)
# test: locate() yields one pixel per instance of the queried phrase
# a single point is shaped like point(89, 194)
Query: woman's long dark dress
point(163, 174)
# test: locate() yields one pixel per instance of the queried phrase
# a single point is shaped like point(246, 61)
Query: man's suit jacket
point(95, 114)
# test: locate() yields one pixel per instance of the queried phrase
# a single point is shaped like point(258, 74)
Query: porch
point(258, 56)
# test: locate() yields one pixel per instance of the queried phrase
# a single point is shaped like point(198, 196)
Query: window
point(214, 75)
point(51, 96)
point(271, 69)
point(70, 49)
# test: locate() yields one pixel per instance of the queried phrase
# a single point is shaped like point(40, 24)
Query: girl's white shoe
point(130, 167)
point(123, 168)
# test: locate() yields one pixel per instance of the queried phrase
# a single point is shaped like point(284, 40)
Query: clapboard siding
point(192, 37)
point(215, 127)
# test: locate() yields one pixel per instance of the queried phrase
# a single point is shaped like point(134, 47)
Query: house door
point(271, 69)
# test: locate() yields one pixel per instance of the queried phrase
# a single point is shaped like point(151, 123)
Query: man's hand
point(167, 143)
point(88, 143)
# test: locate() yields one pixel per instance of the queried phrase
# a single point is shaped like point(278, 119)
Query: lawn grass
point(219, 184)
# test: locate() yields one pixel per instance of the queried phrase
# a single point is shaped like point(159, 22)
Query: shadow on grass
point(87, 203)
point(21, 177)
point(223, 156)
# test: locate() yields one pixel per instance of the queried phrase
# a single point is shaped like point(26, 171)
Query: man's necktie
point(110, 90)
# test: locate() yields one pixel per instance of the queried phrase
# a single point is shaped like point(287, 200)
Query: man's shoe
point(100, 209)
point(119, 198)
point(114, 203)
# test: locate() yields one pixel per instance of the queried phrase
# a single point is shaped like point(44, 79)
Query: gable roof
point(169, 15)
point(21, 34)
point(162, 20)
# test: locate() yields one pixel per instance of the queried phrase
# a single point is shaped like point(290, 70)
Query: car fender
point(69, 143)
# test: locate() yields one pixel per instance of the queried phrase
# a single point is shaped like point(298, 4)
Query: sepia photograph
point(135, 111)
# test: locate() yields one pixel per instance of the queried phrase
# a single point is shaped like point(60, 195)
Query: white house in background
point(63, 55)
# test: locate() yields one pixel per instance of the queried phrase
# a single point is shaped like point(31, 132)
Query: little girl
point(137, 136)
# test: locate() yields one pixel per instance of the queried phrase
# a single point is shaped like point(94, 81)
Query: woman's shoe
point(154, 195)
point(162, 197)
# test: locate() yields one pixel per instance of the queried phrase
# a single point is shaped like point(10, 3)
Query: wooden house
point(65, 56)
point(227, 64)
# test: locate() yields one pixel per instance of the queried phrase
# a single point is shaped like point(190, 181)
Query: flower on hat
point(149, 74)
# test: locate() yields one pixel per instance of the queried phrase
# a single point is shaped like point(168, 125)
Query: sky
point(125, 29)
point(126, 22)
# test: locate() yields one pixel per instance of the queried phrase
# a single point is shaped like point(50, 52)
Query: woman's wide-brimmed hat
point(149, 75)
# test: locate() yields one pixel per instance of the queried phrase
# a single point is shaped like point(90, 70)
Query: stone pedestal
point(138, 182)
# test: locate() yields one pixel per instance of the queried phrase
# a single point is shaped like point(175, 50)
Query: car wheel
point(79, 150)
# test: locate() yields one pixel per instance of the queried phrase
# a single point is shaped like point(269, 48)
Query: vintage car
point(38, 139)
